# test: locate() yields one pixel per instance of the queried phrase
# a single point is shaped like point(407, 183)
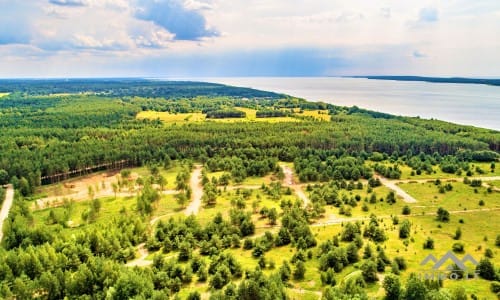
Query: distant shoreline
point(461, 80)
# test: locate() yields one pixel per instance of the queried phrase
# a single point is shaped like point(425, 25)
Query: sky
point(207, 38)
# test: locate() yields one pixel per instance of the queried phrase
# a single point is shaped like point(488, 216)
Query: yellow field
point(251, 113)
point(167, 117)
point(321, 115)
point(4, 94)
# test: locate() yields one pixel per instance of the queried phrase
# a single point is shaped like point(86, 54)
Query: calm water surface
point(470, 104)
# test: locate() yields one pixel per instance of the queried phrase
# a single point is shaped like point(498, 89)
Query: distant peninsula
point(495, 82)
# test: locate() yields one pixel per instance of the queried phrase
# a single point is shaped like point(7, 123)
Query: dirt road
point(399, 191)
point(196, 191)
point(297, 188)
point(7, 204)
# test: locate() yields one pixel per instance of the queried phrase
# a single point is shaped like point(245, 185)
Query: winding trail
point(7, 204)
point(196, 192)
point(297, 188)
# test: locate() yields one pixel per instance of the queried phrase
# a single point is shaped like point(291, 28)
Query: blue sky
point(202, 38)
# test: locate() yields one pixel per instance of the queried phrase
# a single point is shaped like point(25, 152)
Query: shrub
point(404, 229)
point(248, 244)
point(458, 247)
point(458, 234)
point(406, 210)
point(443, 215)
point(485, 269)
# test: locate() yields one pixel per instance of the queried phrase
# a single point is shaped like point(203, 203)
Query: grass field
point(437, 173)
point(462, 197)
point(4, 94)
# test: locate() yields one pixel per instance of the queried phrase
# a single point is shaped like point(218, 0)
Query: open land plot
point(102, 185)
point(406, 171)
point(461, 197)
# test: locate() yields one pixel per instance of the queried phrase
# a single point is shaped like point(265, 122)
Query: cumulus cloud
point(428, 14)
point(173, 15)
point(69, 2)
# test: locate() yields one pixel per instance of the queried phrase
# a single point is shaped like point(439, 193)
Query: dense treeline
point(438, 79)
point(271, 113)
point(128, 87)
point(222, 114)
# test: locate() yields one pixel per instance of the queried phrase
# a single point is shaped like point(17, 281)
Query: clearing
point(197, 191)
point(7, 204)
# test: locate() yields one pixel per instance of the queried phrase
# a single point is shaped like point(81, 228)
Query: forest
point(55, 131)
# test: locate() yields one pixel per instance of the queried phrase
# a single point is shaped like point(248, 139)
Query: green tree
point(415, 288)
point(369, 271)
point(404, 229)
point(485, 269)
point(300, 270)
point(443, 215)
point(392, 287)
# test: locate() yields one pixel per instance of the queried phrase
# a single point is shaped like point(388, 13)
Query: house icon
point(449, 256)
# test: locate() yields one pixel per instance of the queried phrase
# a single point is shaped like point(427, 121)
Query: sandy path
point(141, 261)
point(7, 204)
point(297, 188)
point(196, 191)
point(399, 191)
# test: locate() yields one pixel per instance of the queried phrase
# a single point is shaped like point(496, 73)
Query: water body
point(470, 104)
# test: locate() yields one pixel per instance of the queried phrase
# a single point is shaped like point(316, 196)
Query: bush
point(300, 270)
point(495, 287)
point(476, 183)
point(406, 210)
point(248, 244)
point(404, 229)
point(369, 271)
point(485, 269)
point(443, 215)
point(458, 247)
point(401, 262)
point(458, 234)
point(392, 287)
point(488, 253)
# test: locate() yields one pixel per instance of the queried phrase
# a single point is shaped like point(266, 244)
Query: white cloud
point(368, 32)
